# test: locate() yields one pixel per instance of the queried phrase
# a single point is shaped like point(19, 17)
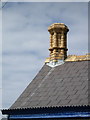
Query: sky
point(0, 60)
point(45, 0)
point(25, 40)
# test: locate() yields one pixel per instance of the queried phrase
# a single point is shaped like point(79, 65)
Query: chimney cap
point(58, 26)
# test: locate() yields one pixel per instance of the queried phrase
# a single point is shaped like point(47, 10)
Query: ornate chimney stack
point(58, 41)
point(58, 46)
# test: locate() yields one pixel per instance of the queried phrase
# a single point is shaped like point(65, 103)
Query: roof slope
point(64, 85)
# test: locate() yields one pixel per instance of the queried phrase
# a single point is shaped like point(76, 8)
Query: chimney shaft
point(58, 41)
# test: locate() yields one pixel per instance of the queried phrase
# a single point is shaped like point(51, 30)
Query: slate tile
point(66, 84)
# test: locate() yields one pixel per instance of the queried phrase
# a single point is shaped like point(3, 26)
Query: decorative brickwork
point(58, 46)
point(58, 41)
point(78, 58)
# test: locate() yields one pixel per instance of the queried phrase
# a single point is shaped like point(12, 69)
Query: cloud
point(45, 0)
point(0, 61)
point(26, 39)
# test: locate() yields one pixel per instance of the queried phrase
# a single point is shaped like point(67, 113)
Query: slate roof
point(64, 85)
point(4, 119)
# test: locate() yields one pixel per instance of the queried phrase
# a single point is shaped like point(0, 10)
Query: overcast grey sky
point(26, 39)
point(45, 0)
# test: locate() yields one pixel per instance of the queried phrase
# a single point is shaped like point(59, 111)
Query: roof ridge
point(42, 81)
point(78, 57)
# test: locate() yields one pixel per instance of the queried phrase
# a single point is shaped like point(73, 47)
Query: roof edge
point(50, 109)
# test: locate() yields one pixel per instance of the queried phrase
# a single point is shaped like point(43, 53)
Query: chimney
point(58, 42)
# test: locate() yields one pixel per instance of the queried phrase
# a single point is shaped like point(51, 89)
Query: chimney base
point(54, 63)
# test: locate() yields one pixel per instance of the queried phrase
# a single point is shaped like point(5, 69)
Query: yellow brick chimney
point(58, 42)
point(58, 46)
